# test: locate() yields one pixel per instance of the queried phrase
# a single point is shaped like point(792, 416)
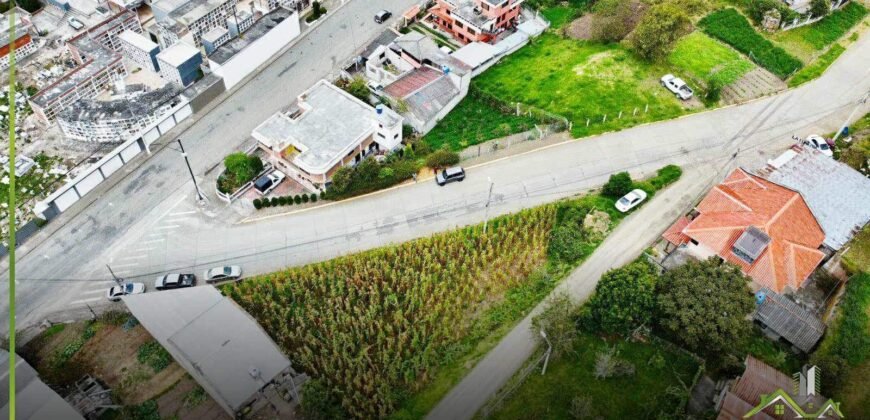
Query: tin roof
point(789, 320)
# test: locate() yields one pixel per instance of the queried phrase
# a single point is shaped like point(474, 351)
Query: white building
point(118, 119)
point(326, 129)
point(139, 49)
point(25, 44)
point(179, 64)
point(189, 20)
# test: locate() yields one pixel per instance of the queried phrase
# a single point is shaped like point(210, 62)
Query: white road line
point(179, 213)
point(179, 220)
point(152, 241)
point(143, 249)
point(167, 227)
point(133, 264)
point(93, 292)
point(134, 257)
point(80, 301)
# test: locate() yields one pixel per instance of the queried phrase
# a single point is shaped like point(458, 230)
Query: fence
point(495, 403)
point(797, 22)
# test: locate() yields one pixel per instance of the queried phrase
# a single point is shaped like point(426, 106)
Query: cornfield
point(373, 325)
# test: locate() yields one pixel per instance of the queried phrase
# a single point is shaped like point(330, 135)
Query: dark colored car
point(174, 281)
point(382, 16)
point(449, 175)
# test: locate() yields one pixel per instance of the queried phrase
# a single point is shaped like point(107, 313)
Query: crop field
point(604, 84)
point(375, 324)
point(706, 58)
point(729, 26)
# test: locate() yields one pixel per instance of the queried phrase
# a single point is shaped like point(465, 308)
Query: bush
point(154, 355)
point(305, 198)
point(665, 176)
point(282, 201)
point(297, 199)
point(323, 195)
point(757, 8)
point(356, 86)
point(266, 202)
point(319, 402)
point(313, 198)
point(366, 177)
point(820, 7)
point(240, 169)
point(624, 299)
point(731, 27)
point(618, 185)
point(274, 201)
point(442, 158)
point(290, 201)
point(258, 204)
point(659, 29)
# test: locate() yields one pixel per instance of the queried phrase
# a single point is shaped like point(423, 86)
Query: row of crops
point(729, 26)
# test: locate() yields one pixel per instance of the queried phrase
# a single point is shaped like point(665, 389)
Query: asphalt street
point(149, 224)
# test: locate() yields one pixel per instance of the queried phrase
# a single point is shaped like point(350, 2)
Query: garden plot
point(754, 84)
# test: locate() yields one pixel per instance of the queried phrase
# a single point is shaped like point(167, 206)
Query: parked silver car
point(229, 272)
point(115, 292)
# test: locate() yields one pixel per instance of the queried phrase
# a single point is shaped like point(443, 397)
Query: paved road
point(755, 132)
point(74, 252)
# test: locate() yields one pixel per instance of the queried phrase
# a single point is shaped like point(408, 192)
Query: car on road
point(630, 200)
point(174, 281)
point(229, 272)
point(819, 143)
point(454, 174)
point(382, 16)
point(677, 86)
point(75, 23)
point(115, 292)
point(266, 183)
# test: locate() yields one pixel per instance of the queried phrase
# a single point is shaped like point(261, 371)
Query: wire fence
point(505, 393)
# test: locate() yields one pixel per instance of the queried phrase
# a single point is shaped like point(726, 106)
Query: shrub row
point(731, 27)
point(286, 200)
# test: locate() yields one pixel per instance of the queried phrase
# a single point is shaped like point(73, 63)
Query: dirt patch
point(754, 84)
point(607, 66)
point(581, 28)
point(613, 24)
point(187, 400)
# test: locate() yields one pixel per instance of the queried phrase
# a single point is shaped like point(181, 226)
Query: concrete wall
point(67, 195)
point(244, 62)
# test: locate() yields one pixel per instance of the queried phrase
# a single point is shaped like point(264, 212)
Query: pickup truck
point(174, 281)
point(677, 86)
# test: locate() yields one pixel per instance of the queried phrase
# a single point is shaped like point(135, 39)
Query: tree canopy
point(659, 29)
point(624, 299)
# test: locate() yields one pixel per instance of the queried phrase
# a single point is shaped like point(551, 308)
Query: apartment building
point(475, 20)
point(139, 50)
point(23, 39)
point(189, 20)
point(117, 119)
point(179, 64)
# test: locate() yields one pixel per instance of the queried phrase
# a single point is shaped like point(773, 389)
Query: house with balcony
point(326, 129)
point(475, 20)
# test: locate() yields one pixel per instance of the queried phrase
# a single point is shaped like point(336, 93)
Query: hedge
point(731, 27)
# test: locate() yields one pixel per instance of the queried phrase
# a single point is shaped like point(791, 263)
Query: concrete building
point(118, 119)
point(24, 38)
point(426, 95)
point(214, 38)
point(180, 64)
point(100, 65)
point(239, 57)
point(475, 20)
point(223, 348)
point(326, 129)
point(189, 20)
point(139, 50)
point(34, 399)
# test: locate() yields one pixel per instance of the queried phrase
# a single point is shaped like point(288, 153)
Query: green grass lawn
point(858, 256)
point(639, 396)
point(704, 58)
point(559, 16)
point(581, 80)
point(474, 121)
point(806, 41)
point(817, 67)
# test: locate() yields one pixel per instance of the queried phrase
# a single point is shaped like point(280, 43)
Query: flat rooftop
point(177, 54)
point(138, 41)
point(90, 110)
point(98, 58)
point(193, 10)
point(20, 29)
point(330, 122)
point(214, 34)
point(225, 52)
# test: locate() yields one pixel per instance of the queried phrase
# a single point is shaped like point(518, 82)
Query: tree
point(659, 29)
point(705, 305)
point(820, 7)
point(624, 299)
point(319, 402)
point(612, 20)
point(442, 158)
point(618, 185)
point(356, 86)
point(557, 322)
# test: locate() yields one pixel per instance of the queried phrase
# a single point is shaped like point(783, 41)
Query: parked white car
point(75, 23)
point(266, 183)
point(115, 292)
point(630, 200)
point(230, 272)
point(677, 86)
point(819, 143)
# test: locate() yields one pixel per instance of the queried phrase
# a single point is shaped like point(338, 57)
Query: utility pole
point(486, 211)
point(843, 127)
point(120, 281)
point(189, 169)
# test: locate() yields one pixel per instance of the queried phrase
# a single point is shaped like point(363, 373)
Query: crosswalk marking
point(88, 300)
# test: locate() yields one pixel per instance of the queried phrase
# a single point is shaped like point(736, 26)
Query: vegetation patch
point(369, 175)
point(240, 169)
point(544, 74)
point(729, 26)
point(817, 36)
point(706, 59)
point(817, 67)
point(154, 355)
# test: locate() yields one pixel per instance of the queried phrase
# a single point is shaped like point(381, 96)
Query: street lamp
point(199, 196)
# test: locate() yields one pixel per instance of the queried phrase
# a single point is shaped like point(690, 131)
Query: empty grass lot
point(642, 395)
point(474, 121)
point(817, 67)
point(705, 58)
point(559, 16)
point(580, 80)
point(805, 42)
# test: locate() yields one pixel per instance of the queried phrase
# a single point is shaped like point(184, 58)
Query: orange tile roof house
point(766, 229)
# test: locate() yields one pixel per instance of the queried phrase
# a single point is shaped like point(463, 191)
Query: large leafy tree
point(659, 29)
point(705, 305)
point(624, 299)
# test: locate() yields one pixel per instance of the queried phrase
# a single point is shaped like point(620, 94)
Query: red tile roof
point(743, 200)
point(412, 82)
point(758, 379)
point(674, 234)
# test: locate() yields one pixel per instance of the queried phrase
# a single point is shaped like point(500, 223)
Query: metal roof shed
point(217, 342)
point(787, 319)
